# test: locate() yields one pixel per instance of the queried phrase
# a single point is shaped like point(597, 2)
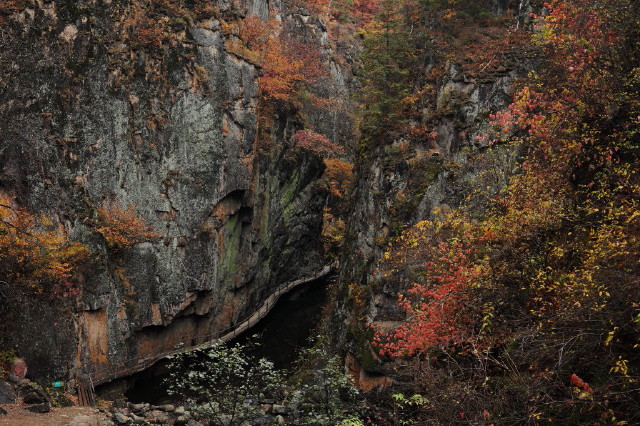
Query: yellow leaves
point(339, 175)
point(333, 231)
point(449, 14)
point(621, 366)
point(610, 336)
point(35, 252)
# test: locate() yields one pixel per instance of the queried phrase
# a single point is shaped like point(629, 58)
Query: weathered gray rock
point(139, 407)
point(121, 419)
point(279, 420)
point(239, 212)
point(137, 419)
point(2, 411)
point(7, 393)
point(279, 409)
point(180, 410)
point(157, 416)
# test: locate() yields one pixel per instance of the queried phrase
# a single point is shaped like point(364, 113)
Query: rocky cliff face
point(93, 108)
point(404, 181)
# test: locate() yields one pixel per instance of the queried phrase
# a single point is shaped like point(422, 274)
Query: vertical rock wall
point(403, 182)
point(173, 131)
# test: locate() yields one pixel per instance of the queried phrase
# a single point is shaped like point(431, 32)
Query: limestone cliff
point(99, 101)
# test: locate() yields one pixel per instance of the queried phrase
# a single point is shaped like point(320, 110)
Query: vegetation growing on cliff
point(35, 254)
point(522, 303)
point(122, 228)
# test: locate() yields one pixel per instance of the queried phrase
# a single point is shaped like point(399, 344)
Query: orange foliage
point(339, 174)
point(123, 228)
point(35, 253)
point(578, 382)
point(316, 142)
point(286, 64)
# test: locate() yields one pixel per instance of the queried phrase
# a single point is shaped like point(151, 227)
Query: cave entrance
point(282, 333)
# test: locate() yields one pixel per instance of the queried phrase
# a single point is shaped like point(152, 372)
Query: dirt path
point(71, 416)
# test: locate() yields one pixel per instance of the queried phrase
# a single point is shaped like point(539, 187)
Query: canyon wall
point(93, 109)
point(404, 180)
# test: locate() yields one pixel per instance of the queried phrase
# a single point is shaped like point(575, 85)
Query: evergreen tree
point(391, 61)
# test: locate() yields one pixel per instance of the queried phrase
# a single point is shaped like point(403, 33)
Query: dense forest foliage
point(522, 304)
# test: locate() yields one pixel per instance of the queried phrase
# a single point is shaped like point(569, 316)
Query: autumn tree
point(35, 254)
point(286, 64)
point(122, 228)
point(551, 257)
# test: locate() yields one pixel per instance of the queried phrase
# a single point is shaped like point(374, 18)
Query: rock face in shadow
point(403, 182)
point(89, 112)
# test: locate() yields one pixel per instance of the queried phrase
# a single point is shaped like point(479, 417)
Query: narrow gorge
point(463, 175)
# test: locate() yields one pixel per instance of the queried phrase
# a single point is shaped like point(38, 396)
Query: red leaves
point(149, 34)
point(437, 313)
point(316, 142)
point(578, 382)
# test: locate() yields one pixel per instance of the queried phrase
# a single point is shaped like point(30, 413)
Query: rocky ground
point(126, 413)
point(17, 414)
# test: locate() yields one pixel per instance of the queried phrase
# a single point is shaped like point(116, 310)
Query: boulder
point(33, 393)
point(119, 403)
point(7, 393)
point(158, 416)
point(121, 419)
point(39, 408)
point(2, 411)
point(279, 420)
point(278, 409)
point(137, 419)
point(33, 397)
point(139, 408)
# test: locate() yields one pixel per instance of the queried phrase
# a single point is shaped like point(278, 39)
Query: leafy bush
point(324, 392)
point(223, 384)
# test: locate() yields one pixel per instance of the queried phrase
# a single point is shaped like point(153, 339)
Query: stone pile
point(123, 413)
point(17, 386)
